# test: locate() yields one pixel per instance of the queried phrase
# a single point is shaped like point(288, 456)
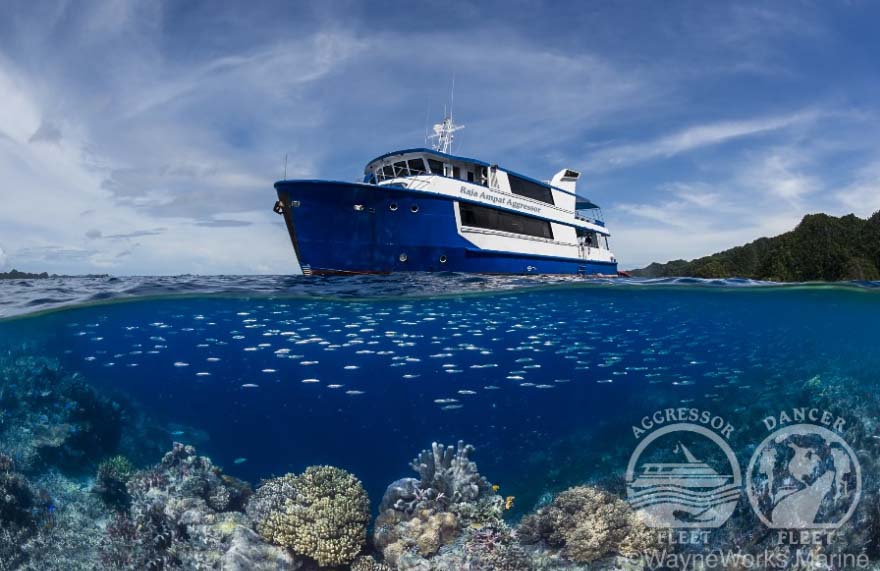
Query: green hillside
point(821, 247)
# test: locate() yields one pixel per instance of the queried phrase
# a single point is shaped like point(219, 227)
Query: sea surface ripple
point(28, 296)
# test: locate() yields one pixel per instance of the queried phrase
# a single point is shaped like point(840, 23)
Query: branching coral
point(419, 516)
point(448, 473)
point(588, 524)
point(321, 513)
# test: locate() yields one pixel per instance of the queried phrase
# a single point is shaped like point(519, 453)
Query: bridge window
point(529, 189)
point(435, 166)
point(400, 169)
point(416, 166)
point(494, 219)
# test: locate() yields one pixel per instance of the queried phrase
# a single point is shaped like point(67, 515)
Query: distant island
point(17, 275)
point(820, 248)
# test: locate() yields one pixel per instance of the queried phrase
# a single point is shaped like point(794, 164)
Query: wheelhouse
point(424, 161)
point(415, 162)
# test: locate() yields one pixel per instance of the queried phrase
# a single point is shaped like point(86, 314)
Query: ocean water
point(545, 377)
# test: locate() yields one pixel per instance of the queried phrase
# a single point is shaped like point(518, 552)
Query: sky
point(144, 137)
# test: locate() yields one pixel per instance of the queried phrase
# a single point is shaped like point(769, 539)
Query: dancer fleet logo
point(804, 478)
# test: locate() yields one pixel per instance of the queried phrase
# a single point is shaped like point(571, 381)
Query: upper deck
point(419, 162)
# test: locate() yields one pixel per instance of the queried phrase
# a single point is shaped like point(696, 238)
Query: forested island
point(17, 275)
point(820, 248)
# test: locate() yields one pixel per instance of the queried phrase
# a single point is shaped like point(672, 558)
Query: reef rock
point(588, 524)
point(322, 514)
point(248, 552)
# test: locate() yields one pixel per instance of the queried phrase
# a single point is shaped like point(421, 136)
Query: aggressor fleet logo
point(683, 474)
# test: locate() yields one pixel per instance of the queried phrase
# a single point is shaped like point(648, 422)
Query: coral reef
point(417, 517)
point(368, 563)
point(16, 519)
point(447, 476)
point(184, 513)
point(51, 418)
point(488, 548)
point(321, 514)
point(588, 524)
point(420, 535)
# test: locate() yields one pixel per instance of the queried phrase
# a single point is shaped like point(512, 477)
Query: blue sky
point(144, 137)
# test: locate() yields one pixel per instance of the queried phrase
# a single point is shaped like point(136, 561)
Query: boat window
point(456, 172)
point(494, 219)
point(435, 166)
point(416, 166)
point(470, 176)
point(527, 188)
point(387, 171)
point(400, 169)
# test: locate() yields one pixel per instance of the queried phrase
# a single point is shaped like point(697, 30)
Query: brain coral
point(321, 513)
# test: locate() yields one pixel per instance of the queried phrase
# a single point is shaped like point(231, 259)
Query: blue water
point(543, 376)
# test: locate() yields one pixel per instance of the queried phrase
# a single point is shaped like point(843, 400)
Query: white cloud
point(694, 137)
point(862, 195)
point(781, 173)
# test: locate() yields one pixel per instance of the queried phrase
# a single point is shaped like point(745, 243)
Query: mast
point(444, 134)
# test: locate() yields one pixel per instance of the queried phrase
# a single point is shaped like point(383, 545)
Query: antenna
point(443, 132)
point(427, 115)
point(452, 96)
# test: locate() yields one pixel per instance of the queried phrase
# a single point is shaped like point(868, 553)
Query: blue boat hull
point(351, 228)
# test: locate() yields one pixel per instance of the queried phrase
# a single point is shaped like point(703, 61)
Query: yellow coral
point(323, 514)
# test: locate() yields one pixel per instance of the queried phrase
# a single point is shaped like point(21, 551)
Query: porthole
point(392, 207)
point(442, 259)
point(402, 257)
point(359, 207)
point(414, 208)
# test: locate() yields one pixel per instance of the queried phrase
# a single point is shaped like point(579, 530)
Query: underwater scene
point(438, 422)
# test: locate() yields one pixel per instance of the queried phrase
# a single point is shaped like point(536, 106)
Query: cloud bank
point(133, 142)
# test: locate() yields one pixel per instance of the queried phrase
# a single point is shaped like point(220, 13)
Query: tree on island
point(820, 248)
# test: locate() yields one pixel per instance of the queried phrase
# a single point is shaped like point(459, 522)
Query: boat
point(690, 474)
point(428, 210)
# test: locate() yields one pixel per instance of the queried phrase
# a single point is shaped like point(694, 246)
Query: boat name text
point(499, 200)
